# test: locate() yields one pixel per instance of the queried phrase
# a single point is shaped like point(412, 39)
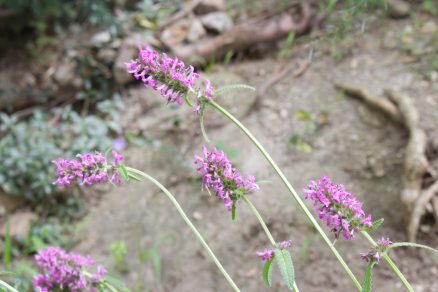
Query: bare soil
point(352, 144)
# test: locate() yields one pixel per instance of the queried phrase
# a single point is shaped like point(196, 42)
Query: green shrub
point(28, 147)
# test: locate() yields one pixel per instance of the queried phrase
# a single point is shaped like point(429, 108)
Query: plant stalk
point(7, 286)
point(390, 263)
point(265, 228)
point(291, 190)
point(189, 223)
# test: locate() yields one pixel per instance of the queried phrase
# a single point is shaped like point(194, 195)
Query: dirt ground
point(355, 146)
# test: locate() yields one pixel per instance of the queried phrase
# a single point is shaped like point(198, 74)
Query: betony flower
point(170, 76)
point(338, 208)
point(89, 169)
point(375, 253)
point(268, 253)
point(63, 271)
point(219, 176)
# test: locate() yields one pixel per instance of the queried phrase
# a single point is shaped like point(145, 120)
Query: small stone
point(107, 55)
point(20, 224)
point(100, 38)
point(207, 6)
point(217, 22)
point(65, 75)
point(196, 31)
point(398, 8)
point(197, 215)
point(173, 35)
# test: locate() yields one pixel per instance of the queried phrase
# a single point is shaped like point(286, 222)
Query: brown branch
point(419, 208)
point(245, 35)
point(384, 105)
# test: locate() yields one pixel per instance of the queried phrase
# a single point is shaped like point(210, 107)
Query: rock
point(65, 74)
point(101, 38)
point(398, 8)
point(217, 22)
point(129, 50)
point(207, 6)
point(174, 35)
point(196, 31)
point(106, 55)
point(9, 204)
point(20, 223)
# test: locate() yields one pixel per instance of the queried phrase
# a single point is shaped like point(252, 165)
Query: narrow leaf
point(267, 272)
point(232, 87)
point(156, 262)
point(376, 224)
point(134, 176)
point(123, 172)
point(7, 248)
point(284, 262)
point(368, 279)
point(411, 244)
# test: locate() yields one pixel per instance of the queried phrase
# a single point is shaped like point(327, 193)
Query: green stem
point(291, 190)
point(259, 217)
point(7, 286)
point(265, 228)
point(189, 223)
point(390, 263)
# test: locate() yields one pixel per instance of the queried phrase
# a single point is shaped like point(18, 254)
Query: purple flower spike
point(375, 253)
point(268, 253)
point(219, 176)
point(168, 75)
point(338, 208)
point(62, 271)
point(88, 168)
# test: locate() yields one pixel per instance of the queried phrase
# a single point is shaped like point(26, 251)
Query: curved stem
point(7, 286)
point(189, 223)
point(291, 190)
point(390, 263)
point(259, 217)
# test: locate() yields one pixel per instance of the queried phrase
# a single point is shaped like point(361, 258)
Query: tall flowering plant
point(340, 210)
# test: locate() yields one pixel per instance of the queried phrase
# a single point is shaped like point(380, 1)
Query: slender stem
point(259, 217)
point(290, 188)
point(390, 263)
point(265, 228)
point(189, 223)
point(7, 286)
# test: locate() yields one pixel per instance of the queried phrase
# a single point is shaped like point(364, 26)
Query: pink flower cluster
point(62, 271)
point(168, 75)
point(268, 253)
point(222, 178)
point(89, 168)
point(338, 208)
point(375, 252)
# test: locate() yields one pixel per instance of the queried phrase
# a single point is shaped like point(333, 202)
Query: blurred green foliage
point(28, 147)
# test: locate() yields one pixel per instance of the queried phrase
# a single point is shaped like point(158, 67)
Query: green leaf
point(267, 272)
point(232, 87)
point(123, 172)
point(368, 279)
point(38, 243)
point(134, 176)
point(156, 262)
point(376, 224)
point(233, 212)
point(284, 262)
point(7, 248)
point(411, 244)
